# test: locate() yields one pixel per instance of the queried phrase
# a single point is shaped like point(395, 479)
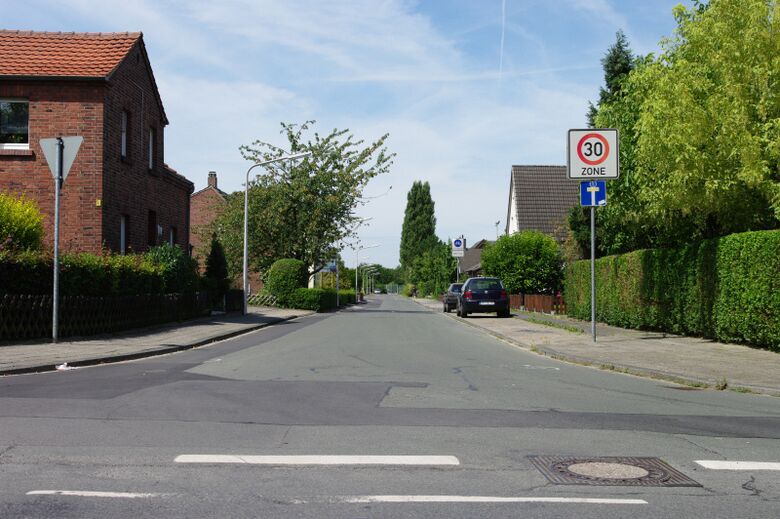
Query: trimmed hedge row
point(80, 275)
point(726, 289)
point(319, 299)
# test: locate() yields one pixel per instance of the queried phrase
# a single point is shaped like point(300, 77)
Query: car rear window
point(455, 288)
point(485, 284)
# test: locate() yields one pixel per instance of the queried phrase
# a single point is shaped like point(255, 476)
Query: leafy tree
point(21, 224)
point(699, 132)
point(528, 262)
point(617, 64)
point(301, 209)
point(433, 270)
point(708, 152)
point(418, 233)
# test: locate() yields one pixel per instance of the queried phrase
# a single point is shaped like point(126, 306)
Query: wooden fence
point(30, 316)
point(538, 303)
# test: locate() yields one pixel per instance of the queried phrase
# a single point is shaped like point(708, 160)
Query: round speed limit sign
point(593, 154)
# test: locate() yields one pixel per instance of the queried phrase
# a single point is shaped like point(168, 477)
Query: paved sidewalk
point(688, 360)
point(45, 356)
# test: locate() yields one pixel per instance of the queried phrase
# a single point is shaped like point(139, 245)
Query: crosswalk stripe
point(477, 499)
point(738, 465)
point(319, 460)
point(90, 493)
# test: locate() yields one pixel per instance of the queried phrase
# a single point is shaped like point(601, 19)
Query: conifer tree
point(617, 63)
point(418, 233)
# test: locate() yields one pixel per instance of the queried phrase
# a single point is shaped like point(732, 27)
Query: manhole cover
point(618, 471)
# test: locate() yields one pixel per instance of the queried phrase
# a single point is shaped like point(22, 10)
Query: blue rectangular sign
point(593, 193)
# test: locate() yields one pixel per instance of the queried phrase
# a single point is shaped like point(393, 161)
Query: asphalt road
point(442, 417)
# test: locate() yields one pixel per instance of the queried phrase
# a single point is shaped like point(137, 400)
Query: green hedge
point(319, 299)
point(726, 289)
point(284, 277)
point(81, 275)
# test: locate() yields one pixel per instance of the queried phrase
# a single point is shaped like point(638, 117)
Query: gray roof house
point(539, 200)
point(471, 262)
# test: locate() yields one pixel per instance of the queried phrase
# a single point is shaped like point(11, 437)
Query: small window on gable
point(14, 124)
point(125, 132)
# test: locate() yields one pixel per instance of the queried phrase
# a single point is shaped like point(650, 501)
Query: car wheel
point(457, 310)
point(504, 313)
point(445, 309)
point(463, 313)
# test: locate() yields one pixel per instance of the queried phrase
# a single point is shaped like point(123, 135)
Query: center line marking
point(319, 460)
point(88, 493)
point(738, 465)
point(479, 499)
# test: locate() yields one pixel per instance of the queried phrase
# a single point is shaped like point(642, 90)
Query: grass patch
point(561, 326)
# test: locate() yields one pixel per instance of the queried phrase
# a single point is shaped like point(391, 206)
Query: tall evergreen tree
point(418, 233)
point(617, 63)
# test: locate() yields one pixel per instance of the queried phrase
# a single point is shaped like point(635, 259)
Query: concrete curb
point(112, 359)
point(608, 366)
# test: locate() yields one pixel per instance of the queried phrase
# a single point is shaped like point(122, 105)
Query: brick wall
point(205, 206)
point(130, 188)
point(60, 109)
point(101, 186)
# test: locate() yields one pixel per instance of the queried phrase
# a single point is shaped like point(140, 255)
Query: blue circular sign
point(458, 243)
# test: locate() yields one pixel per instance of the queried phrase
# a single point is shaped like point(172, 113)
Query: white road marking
point(738, 465)
point(87, 493)
point(318, 460)
point(478, 499)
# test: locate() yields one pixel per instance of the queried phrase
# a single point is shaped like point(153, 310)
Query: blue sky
point(460, 107)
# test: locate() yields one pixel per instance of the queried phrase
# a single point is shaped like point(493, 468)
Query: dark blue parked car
point(483, 295)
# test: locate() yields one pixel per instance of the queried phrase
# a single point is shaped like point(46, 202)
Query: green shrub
point(527, 262)
point(347, 297)
point(80, 274)
point(726, 289)
point(179, 270)
point(317, 299)
point(21, 224)
point(284, 277)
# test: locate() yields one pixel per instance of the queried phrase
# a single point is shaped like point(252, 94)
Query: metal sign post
point(60, 153)
point(593, 154)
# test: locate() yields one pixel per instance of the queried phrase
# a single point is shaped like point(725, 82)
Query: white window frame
point(123, 234)
point(123, 134)
point(150, 149)
point(17, 145)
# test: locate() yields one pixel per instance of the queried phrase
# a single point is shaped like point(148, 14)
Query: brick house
point(205, 206)
point(119, 194)
point(540, 198)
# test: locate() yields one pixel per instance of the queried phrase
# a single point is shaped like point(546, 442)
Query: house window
point(125, 131)
point(172, 237)
point(14, 118)
point(123, 227)
point(150, 150)
point(151, 237)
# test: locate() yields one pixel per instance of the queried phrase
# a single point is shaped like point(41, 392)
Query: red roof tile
point(63, 54)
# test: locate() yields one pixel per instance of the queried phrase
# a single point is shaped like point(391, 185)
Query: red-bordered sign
point(596, 152)
point(593, 154)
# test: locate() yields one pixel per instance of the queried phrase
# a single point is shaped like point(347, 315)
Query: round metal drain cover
point(608, 470)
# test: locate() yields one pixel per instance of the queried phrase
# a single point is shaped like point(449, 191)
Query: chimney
point(213, 179)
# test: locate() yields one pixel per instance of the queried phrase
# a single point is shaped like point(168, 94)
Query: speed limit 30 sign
point(593, 154)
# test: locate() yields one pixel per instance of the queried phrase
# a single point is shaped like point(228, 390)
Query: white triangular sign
point(70, 148)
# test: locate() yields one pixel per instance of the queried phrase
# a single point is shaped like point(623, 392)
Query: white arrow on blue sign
point(593, 193)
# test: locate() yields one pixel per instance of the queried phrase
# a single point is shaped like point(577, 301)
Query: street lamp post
point(357, 266)
point(246, 215)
